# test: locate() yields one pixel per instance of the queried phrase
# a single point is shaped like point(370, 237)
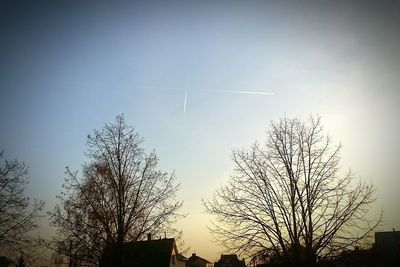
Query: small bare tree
point(121, 197)
point(289, 201)
point(17, 217)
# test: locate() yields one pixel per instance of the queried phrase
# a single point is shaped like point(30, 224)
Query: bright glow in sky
point(68, 69)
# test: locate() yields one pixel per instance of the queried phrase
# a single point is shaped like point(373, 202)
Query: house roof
point(195, 258)
point(388, 243)
point(229, 260)
point(180, 257)
point(150, 253)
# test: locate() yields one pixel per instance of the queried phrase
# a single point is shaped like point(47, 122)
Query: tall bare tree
point(289, 198)
point(122, 196)
point(17, 216)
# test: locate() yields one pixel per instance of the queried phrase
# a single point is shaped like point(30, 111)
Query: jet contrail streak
point(184, 102)
point(248, 92)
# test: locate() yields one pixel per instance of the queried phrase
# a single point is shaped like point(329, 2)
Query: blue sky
point(67, 69)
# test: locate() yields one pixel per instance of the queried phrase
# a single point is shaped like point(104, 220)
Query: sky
point(69, 68)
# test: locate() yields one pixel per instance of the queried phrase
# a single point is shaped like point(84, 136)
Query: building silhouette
point(196, 261)
point(229, 261)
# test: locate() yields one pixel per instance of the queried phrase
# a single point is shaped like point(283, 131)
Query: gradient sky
point(67, 69)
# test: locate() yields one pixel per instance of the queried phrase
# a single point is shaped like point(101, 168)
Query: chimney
point(194, 255)
point(149, 236)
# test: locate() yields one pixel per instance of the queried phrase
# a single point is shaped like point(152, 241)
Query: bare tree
point(121, 197)
point(17, 217)
point(289, 200)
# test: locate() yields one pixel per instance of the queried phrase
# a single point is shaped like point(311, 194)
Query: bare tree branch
point(289, 200)
point(17, 216)
point(122, 196)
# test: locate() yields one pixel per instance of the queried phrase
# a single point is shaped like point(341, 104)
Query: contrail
point(184, 102)
point(248, 92)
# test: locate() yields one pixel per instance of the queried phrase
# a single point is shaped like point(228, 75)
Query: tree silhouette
point(17, 217)
point(288, 200)
point(122, 196)
point(21, 262)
